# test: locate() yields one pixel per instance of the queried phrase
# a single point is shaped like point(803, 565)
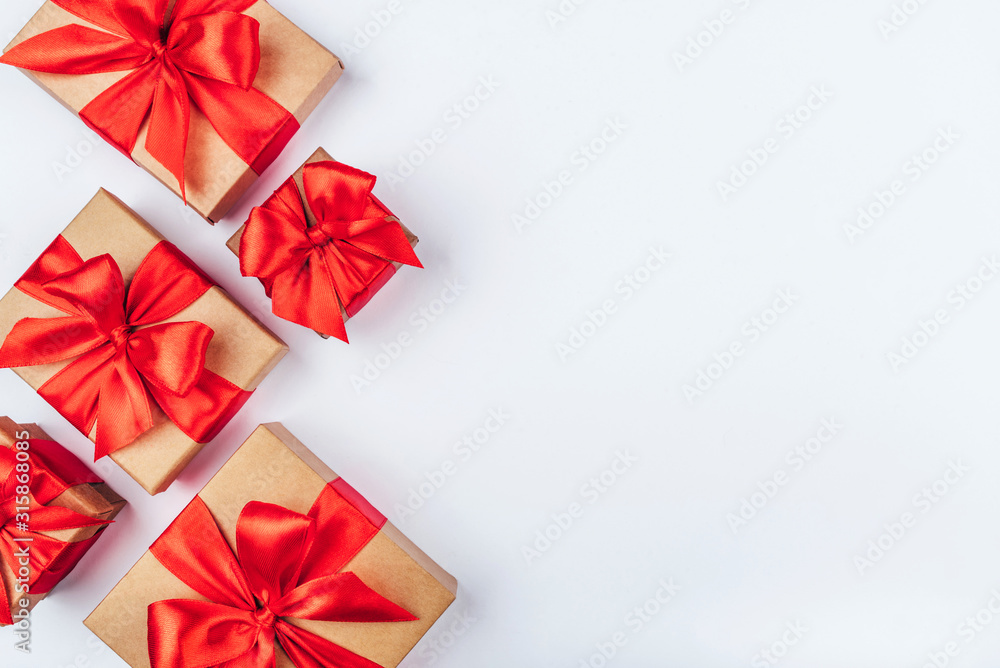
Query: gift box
point(203, 94)
point(53, 510)
point(132, 343)
point(322, 245)
point(275, 557)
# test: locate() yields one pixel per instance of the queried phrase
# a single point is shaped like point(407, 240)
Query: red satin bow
point(126, 356)
point(206, 52)
point(51, 471)
point(344, 259)
point(286, 566)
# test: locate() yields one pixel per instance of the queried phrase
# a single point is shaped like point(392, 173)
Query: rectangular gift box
point(295, 71)
point(95, 500)
point(272, 466)
point(322, 156)
point(241, 350)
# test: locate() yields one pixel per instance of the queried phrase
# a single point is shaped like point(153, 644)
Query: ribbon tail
point(123, 409)
point(169, 124)
point(256, 127)
point(387, 241)
point(75, 390)
point(307, 295)
point(308, 650)
point(75, 49)
point(204, 411)
point(118, 113)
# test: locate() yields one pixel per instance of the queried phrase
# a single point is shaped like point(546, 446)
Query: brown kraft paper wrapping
point(295, 71)
point(319, 156)
point(242, 350)
point(272, 466)
point(95, 500)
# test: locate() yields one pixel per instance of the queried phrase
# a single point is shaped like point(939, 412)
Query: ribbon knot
point(265, 617)
point(159, 49)
point(120, 336)
point(321, 235)
point(209, 57)
point(122, 356)
point(312, 273)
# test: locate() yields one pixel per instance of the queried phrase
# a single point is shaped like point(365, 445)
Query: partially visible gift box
point(132, 343)
point(276, 558)
point(203, 94)
point(52, 511)
point(322, 245)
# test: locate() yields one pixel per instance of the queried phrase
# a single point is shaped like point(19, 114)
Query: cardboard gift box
point(190, 600)
point(132, 343)
point(323, 245)
point(68, 507)
point(233, 77)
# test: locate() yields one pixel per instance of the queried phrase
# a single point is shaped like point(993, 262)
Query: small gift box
point(203, 94)
point(322, 245)
point(123, 335)
point(52, 509)
point(276, 562)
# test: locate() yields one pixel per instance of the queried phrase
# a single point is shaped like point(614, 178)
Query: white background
point(796, 560)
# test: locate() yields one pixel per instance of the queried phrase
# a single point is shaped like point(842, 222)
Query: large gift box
point(203, 94)
point(130, 341)
point(52, 509)
point(322, 245)
point(276, 559)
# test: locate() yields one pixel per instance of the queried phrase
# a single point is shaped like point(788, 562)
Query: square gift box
point(53, 510)
point(276, 558)
point(322, 245)
point(203, 94)
point(130, 341)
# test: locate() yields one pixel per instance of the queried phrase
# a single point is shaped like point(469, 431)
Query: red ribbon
point(286, 566)
point(206, 53)
point(126, 357)
point(51, 471)
point(344, 259)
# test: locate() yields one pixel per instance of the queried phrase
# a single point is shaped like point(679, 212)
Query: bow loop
point(171, 356)
point(195, 44)
point(337, 192)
